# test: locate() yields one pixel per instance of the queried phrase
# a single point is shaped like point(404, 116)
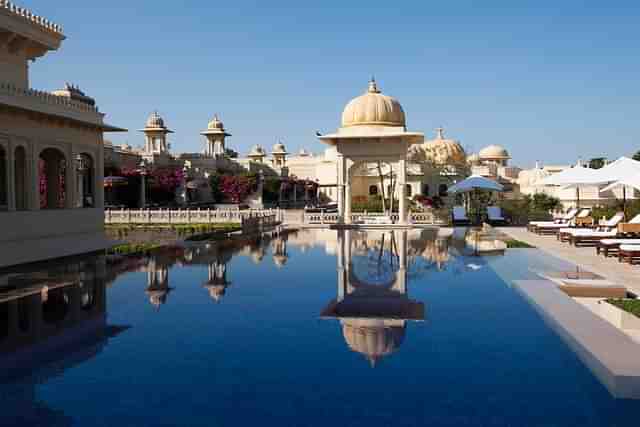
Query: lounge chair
point(459, 216)
point(565, 219)
point(494, 215)
point(629, 253)
point(631, 227)
point(585, 236)
point(609, 247)
point(553, 228)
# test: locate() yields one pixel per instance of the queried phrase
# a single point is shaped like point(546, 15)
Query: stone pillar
point(80, 189)
point(10, 178)
point(402, 193)
point(340, 188)
point(71, 197)
point(402, 272)
point(347, 201)
point(98, 177)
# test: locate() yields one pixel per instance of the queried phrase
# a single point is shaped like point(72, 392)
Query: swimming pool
point(309, 328)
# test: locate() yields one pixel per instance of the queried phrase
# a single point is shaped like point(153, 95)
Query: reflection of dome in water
point(216, 292)
point(372, 338)
point(157, 298)
point(436, 251)
point(373, 109)
point(280, 260)
point(257, 255)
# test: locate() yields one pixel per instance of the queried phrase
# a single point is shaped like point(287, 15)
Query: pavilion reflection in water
point(372, 304)
point(50, 320)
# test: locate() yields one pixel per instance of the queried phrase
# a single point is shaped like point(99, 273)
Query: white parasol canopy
point(630, 181)
point(573, 176)
point(475, 182)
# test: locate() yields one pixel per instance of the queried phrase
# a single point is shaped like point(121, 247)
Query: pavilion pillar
point(347, 201)
point(402, 193)
point(340, 188)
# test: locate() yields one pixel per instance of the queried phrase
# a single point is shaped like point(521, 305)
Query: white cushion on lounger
point(588, 233)
point(635, 248)
point(620, 241)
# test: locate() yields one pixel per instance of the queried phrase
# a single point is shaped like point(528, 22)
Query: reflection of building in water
point(217, 280)
point(279, 246)
point(157, 282)
point(50, 321)
point(373, 316)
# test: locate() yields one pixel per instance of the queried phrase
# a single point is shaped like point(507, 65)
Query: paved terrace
point(585, 257)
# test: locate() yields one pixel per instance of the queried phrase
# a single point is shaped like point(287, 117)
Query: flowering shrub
point(237, 188)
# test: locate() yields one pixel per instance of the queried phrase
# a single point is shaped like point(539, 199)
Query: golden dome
point(373, 341)
point(444, 151)
point(373, 109)
point(215, 124)
point(155, 121)
point(279, 148)
point(494, 152)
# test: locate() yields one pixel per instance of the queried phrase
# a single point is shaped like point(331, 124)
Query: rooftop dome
point(443, 151)
point(155, 121)
point(303, 153)
point(372, 340)
point(215, 124)
point(257, 151)
point(279, 148)
point(529, 178)
point(494, 152)
point(373, 109)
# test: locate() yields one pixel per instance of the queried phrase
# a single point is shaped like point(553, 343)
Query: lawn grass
point(133, 249)
point(629, 305)
point(515, 244)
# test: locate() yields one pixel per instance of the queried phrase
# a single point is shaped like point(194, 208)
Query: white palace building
point(51, 151)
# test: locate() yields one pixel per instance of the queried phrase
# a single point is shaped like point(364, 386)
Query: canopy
point(572, 176)
point(475, 182)
point(623, 168)
point(630, 181)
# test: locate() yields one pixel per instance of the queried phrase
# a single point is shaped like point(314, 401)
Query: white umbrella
point(574, 177)
point(631, 181)
point(475, 182)
point(622, 168)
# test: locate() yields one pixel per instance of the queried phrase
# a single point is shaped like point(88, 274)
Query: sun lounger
point(552, 228)
point(460, 216)
point(609, 247)
point(631, 227)
point(592, 288)
point(563, 220)
point(494, 215)
point(606, 230)
point(629, 253)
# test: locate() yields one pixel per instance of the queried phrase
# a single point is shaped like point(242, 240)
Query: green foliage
point(597, 162)
point(636, 156)
point(517, 244)
point(371, 204)
point(629, 305)
point(632, 209)
point(529, 208)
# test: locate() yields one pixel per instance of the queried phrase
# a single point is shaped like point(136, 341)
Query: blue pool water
point(302, 329)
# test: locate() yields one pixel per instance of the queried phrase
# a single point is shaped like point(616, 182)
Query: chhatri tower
point(373, 130)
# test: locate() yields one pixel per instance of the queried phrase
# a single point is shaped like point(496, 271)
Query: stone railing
point(186, 216)
point(258, 223)
point(46, 98)
point(31, 17)
point(331, 218)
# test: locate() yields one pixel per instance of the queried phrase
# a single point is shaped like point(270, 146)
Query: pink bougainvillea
point(237, 188)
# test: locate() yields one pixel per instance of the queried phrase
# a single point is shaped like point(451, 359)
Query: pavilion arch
point(52, 171)
point(20, 178)
point(86, 180)
point(4, 177)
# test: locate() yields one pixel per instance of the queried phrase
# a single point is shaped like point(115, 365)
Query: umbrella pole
point(624, 202)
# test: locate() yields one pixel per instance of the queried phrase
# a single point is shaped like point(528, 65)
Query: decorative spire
point(440, 133)
point(373, 87)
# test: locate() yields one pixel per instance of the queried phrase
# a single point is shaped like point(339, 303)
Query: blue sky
point(548, 81)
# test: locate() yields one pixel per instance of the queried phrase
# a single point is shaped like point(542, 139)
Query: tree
point(597, 162)
point(636, 156)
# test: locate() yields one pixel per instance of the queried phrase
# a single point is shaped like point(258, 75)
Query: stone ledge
point(612, 356)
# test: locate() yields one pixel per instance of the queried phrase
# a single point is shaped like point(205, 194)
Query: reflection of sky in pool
point(298, 330)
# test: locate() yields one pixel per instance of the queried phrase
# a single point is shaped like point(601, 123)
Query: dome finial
point(373, 87)
point(440, 132)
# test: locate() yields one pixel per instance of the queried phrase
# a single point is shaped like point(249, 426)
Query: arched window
point(20, 178)
point(425, 189)
point(4, 188)
point(373, 190)
point(85, 176)
point(408, 190)
point(51, 173)
point(442, 190)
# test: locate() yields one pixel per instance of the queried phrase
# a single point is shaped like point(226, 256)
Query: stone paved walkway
point(585, 257)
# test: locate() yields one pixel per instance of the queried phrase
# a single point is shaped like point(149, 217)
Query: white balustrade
point(186, 216)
